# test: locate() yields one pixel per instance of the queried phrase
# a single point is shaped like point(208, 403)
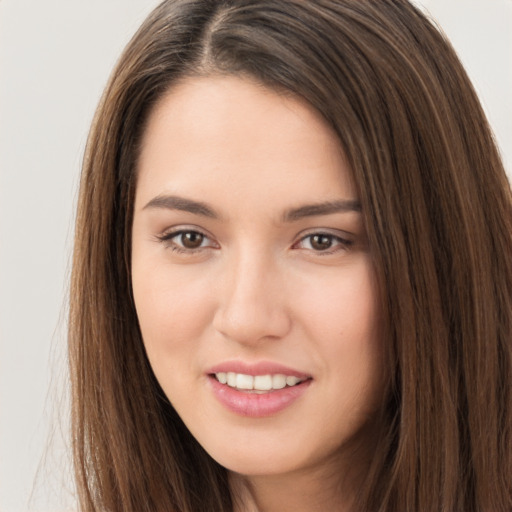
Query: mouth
point(257, 390)
point(257, 384)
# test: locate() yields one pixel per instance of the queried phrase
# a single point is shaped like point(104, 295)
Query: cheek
point(343, 307)
point(344, 320)
point(173, 311)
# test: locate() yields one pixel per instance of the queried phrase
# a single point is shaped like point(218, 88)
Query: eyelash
point(341, 244)
point(169, 236)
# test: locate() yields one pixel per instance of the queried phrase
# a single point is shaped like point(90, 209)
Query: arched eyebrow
point(182, 204)
point(172, 202)
point(325, 208)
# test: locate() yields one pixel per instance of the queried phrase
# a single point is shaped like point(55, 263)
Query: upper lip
point(259, 368)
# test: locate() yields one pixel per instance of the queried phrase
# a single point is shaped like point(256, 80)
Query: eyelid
point(337, 233)
point(168, 234)
point(343, 237)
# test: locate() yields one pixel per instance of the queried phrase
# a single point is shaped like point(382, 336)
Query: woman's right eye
point(186, 240)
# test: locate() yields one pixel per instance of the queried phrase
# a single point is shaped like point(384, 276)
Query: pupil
point(321, 242)
point(192, 239)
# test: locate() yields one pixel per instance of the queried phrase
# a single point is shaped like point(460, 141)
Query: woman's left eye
point(326, 243)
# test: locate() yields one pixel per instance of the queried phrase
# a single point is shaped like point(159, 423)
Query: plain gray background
point(55, 57)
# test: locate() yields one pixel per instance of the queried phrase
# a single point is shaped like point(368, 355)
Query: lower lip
point(257, 405)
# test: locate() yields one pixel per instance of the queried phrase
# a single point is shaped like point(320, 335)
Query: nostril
point(252, 327)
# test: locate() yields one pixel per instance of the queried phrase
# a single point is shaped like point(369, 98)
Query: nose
point(252, 303)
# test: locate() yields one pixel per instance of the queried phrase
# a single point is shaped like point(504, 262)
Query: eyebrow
point(171, 202)
point(182, 204)
point(325, 208)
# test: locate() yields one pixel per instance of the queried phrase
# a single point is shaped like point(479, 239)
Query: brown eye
point(321, 242)
point(191, 239)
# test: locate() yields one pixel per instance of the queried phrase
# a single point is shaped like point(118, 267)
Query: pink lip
point(261, 368)
point(256, 405)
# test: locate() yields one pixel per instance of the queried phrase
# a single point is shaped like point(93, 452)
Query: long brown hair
point(438, 212)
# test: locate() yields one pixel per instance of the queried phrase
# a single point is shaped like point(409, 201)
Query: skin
point(258, 288)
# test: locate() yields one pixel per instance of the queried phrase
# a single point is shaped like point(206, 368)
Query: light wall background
point(55, 57)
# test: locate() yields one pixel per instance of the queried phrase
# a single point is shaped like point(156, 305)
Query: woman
point(292, 285)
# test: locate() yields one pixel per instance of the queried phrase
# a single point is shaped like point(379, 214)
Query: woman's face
point(252, 279)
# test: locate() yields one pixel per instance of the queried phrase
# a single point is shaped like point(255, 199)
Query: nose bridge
point(252, 303)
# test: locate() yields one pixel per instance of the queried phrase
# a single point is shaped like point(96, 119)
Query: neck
point(305, 491)
point(333, 484)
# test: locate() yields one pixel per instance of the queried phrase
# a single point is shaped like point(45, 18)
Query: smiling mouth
point(257, 383)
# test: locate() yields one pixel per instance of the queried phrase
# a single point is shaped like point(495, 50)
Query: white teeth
point(231, 379)
point(244, 381)
point(258, 382)
point(291, 381)
point(278, 381)
point(263, 382)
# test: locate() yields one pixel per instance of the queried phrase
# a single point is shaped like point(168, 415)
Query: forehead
point(228, 136)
